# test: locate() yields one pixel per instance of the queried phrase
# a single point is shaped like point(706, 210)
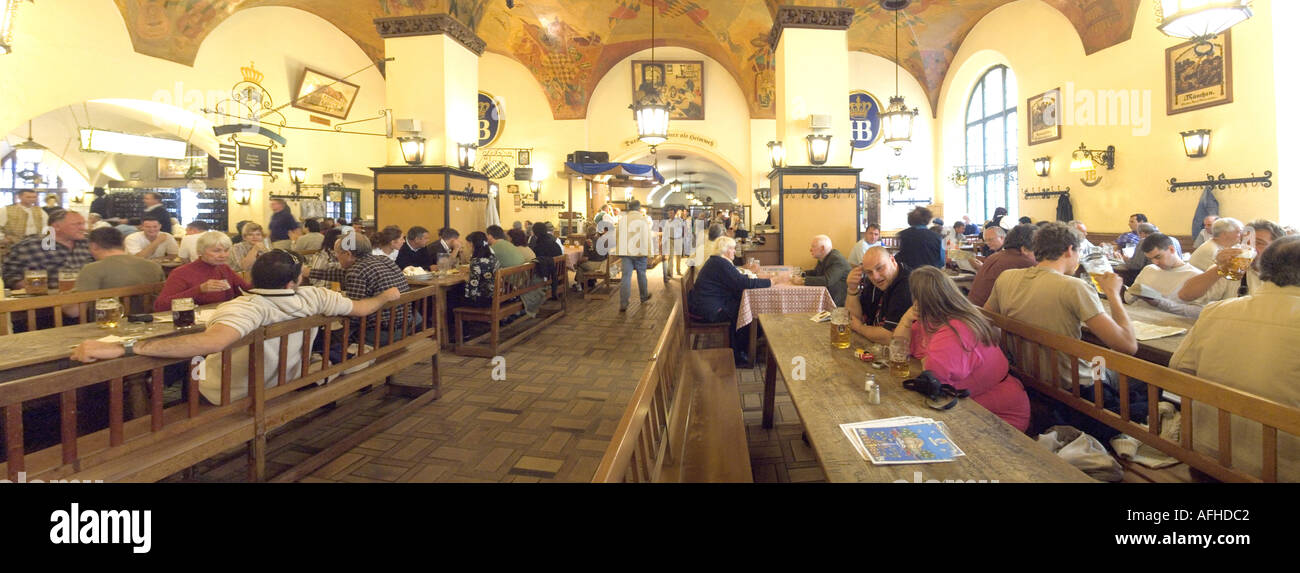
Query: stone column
point(433, 78)
point(812, 77)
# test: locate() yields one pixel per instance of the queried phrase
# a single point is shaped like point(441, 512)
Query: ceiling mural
point(568, 45)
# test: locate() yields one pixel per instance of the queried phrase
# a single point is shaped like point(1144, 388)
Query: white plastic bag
point(1082, 451)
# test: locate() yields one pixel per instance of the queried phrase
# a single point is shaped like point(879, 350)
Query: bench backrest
point(513, 282)
point(79, 448)
point(136, 296)
point(643, 442)
point(1040, 354)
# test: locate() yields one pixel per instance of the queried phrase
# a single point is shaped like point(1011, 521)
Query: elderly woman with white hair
point(716, 294)
point(1225, 234)
point(207, 280)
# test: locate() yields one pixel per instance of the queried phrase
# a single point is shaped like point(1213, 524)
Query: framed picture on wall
point(1044, 116)
point(680, 84)
point(512, 189)
point(326, 95)
point(525, 158)
point(179, 168)
point(1198, 76)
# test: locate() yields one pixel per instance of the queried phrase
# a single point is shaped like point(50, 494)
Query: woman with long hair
point(959, 346)
point(481, 283)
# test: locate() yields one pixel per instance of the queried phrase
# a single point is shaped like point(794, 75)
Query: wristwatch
point(128, 346)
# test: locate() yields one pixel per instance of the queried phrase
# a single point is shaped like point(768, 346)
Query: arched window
point(11, 177)
point(991, 143)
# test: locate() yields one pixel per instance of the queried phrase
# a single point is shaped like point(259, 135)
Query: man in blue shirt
point(917, 244)
point(1131, 237)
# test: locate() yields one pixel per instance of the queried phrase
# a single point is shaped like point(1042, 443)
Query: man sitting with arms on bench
point(364, 275)
point(276, 297)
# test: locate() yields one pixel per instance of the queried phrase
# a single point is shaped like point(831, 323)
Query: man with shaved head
point(879, 295)
point(831, 271)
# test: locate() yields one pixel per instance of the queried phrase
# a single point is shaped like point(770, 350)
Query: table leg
point(753, 344)
point(769, 390)
point(440, 302)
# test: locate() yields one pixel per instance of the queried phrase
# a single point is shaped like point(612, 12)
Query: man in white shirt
point(188, 251)
point(1249, 344)
point(1159, 282)
point(150, 242)
point(1226, 233)
point(870, 238)
point(23, 218)
point(276, 297)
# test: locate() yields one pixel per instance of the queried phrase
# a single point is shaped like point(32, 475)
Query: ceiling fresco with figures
point(568, 45)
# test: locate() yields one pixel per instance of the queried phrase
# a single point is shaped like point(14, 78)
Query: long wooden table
point(1158, 350)
point(830, 393)
point(440, 300)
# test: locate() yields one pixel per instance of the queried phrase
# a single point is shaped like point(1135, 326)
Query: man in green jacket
point(832, 269)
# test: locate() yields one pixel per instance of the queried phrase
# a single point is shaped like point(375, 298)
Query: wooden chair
point(169, 439)
point(684, 423)
point(509, 284)
point(696, 325)
point(1040, 355)
point(604, 287)
point(38, 307)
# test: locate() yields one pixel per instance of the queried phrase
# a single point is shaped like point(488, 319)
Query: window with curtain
point(991, 145)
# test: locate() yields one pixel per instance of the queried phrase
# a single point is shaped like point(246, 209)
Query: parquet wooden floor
point(548, 420)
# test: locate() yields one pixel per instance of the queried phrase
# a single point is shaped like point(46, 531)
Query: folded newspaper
point(902, 440)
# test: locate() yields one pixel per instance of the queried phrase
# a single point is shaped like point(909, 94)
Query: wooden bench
point(696, 325)
point(169, 439)
point(509, 285)
point(684, 423)
point(1038, 355)
point(133, 297)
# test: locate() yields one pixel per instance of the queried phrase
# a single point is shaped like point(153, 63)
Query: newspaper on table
point(902, 440)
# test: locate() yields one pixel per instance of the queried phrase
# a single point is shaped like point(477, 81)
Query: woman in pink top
point(956, 343)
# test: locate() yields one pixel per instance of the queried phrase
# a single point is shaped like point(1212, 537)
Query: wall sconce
point(412, 149)
point(297, 176)
point(466, 154)
point(536, 187)
point(243, 196)
point(1084, 159)
point(1196, 143)
point(776, 153)
point(819, 148)
point(80, 197)
point(1043, 166)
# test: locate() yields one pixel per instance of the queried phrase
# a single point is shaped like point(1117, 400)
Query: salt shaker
point(873, 389)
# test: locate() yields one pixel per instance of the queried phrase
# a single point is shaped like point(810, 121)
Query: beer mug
point(183, 313)
point(1240, 264)
point(899, 366)
point(38, 281)
point(1097, 266)
point(445, 264)
point(67, 279)
point(841, 337)
point(108, 312)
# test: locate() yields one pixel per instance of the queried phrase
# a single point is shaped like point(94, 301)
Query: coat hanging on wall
point(1207, 206)
point(1064, 211)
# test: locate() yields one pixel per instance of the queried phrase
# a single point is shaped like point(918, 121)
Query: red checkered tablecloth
point(572, 255)
point(782, 299)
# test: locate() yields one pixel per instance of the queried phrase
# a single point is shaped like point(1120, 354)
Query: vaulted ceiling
point(568, 45)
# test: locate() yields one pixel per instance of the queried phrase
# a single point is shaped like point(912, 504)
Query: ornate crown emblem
point(251, 74)
point(483, 108)
point(858, 108)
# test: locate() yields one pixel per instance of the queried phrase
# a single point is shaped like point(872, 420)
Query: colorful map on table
point(909, 444)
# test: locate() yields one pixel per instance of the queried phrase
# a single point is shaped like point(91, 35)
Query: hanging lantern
point(652, 122)
point(1200, 20)
point(29, 152)
point(896, 123)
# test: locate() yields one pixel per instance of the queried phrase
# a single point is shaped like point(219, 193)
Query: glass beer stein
point(1240, 264)
point(67, 279)
point(899, 366)
point(1097, 266)
point(841, 336)
point(108, 312)
point(183, 313)
point(38, 281)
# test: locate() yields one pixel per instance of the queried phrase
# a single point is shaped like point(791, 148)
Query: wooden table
point(41, 351)
point(831, 393)
point(781, 297)
point(1158, 350)
point(440, 300)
